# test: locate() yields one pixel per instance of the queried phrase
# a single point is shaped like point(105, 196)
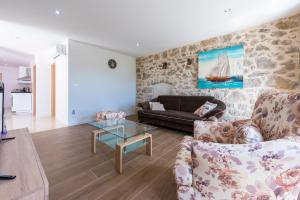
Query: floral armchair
point(214, 164)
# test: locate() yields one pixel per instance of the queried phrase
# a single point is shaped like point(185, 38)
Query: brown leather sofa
point(179, 112)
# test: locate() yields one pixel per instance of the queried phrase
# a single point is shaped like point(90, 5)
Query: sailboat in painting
point(221, 72)
point(221, 68)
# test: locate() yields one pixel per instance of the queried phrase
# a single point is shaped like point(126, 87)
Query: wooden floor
point(75, 173)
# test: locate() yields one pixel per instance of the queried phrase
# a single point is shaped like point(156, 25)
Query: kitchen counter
point(21, 101)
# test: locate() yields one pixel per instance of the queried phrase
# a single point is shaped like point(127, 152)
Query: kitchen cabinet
point(21, 102)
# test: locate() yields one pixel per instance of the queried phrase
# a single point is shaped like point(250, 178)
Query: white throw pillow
point(156, 106)
point(205, 108)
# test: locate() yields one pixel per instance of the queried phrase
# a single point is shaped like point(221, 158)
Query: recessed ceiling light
point(228, 10)
point(137, 44)
point(57, 12)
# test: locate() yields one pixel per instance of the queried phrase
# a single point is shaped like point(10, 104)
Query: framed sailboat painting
point(221, 68)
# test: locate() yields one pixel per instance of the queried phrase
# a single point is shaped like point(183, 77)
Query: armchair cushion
point(267, 170)
point(277, 115)
point(219, 132)
point(247, 134)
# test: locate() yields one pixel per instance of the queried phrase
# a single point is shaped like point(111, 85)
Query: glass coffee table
point(123, 136)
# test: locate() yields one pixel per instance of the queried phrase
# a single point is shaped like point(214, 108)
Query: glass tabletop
point(123, 128)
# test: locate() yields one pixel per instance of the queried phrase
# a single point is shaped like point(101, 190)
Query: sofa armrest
point(183, 164)
point(217, 111)
point(144, 105)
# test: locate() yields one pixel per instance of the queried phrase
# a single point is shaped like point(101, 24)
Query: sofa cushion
point(170, 102)
point(173, 116)
point(156, 106)
point(191, 103)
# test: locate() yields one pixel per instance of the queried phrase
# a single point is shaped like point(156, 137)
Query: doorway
point(53, 89)
point(34, 90)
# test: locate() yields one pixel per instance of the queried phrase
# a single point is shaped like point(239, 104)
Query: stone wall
point(271, 62)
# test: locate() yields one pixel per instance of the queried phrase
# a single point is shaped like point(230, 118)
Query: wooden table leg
point(121, 146)
point(119, 158)
point(94, 136)
point(149, 145)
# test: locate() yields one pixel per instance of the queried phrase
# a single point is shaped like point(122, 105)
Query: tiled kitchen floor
point(34, 124)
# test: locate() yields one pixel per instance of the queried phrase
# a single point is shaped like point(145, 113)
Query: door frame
point(34, 90)
point(53, 89)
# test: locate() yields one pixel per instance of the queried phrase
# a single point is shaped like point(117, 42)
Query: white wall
point(93, 86)
point(43, 60)
point(9, 78)
point(62, 91)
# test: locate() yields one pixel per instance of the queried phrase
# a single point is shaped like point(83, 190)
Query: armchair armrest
point(183, 164)
point(217, 132)
point(266, 170)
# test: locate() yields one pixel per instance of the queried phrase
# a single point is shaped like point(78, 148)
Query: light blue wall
point(94, 87)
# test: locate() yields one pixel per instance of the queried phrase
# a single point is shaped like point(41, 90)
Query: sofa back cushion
point(192, 103)
point(170, 102)
point(277, 115)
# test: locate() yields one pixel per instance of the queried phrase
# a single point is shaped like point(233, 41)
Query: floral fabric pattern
point(222, 170)
point(247, 134)
point(205, 108)
point(183, 164)
point(110, 115)
point(277, 115)
point(265, 170)
point(219, 132)
point(183, 169)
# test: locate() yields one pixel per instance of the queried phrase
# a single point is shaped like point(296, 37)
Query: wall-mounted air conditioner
point(60, 49)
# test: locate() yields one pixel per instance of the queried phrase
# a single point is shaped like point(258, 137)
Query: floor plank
point(75, 173)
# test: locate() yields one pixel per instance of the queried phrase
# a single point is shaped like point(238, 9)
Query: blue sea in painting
point(233, 83)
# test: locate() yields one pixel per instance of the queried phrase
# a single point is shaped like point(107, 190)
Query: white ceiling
point(119, 24)
point(12, 58)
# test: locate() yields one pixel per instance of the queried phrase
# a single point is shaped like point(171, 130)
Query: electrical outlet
point(73, 112)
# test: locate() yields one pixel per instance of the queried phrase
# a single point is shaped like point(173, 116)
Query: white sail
point(222, 69)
